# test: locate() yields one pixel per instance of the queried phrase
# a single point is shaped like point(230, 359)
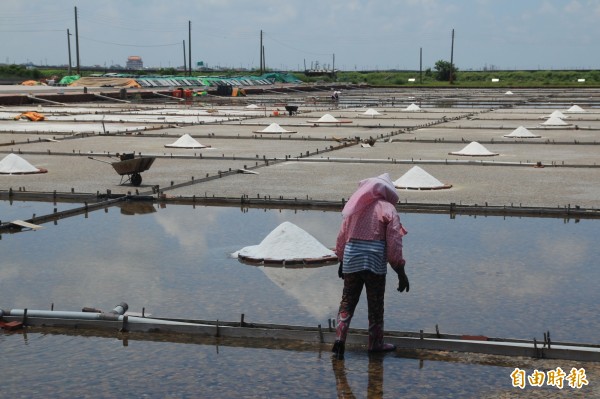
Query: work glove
point(340, 273)
point(403, 283)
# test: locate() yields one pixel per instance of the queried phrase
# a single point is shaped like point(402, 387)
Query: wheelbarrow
point(129, 167)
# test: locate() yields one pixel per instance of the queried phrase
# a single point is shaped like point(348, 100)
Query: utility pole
point(263, 60)
point(184, 61)
point(190, 47)
point(452, 59)
point(421, 65)
point(69, 46)
point(260, 69)
point(77, 43)
point(333, 68)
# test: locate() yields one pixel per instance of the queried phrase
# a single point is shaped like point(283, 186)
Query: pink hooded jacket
point(370, 214)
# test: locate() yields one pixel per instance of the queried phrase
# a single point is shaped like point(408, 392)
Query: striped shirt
point(378, 222)
point(362, 255)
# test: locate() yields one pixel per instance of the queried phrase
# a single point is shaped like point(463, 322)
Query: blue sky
point(363, 34)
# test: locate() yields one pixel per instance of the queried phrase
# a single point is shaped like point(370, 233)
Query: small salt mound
point(521, 132)
point(554, 121)
point(286, 242)
point(412, 107)
point(14, 164)
point(252, 106)
point(417, 179)
point(186, 141)
point(327, 118)
point(557, 114)
point(274, 128)
point(575, 109)
point(371, 112)
point(474, 149)
point(509, 93)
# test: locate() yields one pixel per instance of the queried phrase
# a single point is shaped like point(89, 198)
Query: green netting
point(280, 77)
point(205, 80)
point(67, 80)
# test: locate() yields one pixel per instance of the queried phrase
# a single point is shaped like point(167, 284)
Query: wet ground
point(334, 163)
point(514, 277)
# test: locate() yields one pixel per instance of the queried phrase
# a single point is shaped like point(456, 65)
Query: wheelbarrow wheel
point(136, 179)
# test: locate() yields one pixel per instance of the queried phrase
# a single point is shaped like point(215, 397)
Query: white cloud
point(573, 6)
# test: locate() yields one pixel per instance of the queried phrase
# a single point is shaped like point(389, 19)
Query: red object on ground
point(11, 325)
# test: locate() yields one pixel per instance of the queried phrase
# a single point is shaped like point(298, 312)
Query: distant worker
point(370, 237)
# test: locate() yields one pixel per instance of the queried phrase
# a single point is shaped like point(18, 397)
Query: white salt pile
point(554, 121)
point(274, 128)
point(576, 109)
point(521, 132)
point(327, 118)
point(185, 141)
point(557, 114)
point(474, 149)
point(412, 107)
point(371, 112)
point(14, 164)
point(286, 242)
point(417, 179)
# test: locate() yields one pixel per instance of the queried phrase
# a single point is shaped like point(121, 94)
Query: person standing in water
point(370, 237)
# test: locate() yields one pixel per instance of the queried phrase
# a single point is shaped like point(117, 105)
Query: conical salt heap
point(521, 132)
point(474, 149)
point(554, 121)
point(12, 164)
point(274, 128)
point(371, 112)
point(557, 114)
point(287, 244)
point(412, 107)
point(417, 179)
point(185, 141)
point(575, 109)
point(327, 118)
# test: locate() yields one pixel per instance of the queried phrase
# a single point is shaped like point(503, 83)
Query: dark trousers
point(353, 285)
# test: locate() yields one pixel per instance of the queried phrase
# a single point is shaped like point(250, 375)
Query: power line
point(130, 45)
point(130, 26)
point(32, 30)
point(297, 49)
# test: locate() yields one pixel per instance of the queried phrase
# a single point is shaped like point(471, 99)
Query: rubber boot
point(341, 331)
point(376, 339)
point(338, 349)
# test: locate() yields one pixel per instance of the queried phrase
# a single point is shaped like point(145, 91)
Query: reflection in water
point(136, 207)
point(374, 375)
point(312, 288)
point(493, 276)
point(479, 276)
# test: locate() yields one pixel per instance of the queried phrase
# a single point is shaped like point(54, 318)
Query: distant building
point(134, 62)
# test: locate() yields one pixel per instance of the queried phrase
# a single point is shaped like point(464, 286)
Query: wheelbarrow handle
point(99, 160)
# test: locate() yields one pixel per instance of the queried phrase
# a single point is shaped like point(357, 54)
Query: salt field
point(502, 274)
point(175, 261)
